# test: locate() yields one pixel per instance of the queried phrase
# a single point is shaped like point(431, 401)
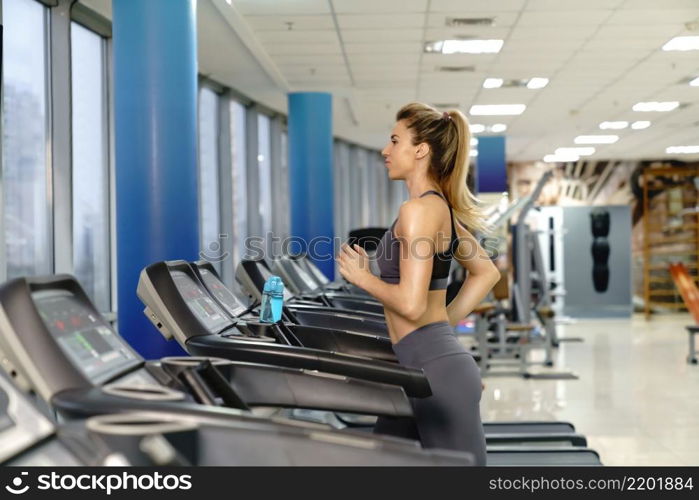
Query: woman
point(430, 152)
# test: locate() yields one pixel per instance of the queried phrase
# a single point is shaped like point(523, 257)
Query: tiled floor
point(637, 400)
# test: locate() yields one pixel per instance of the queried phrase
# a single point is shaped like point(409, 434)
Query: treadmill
point(151, 438)
point(496, 432)
point(305, 287)
point(321, 281)
point(179, 306)
point(29, 438)
point(81, 368)
point(327, 338)
point(252, 274)
point(164, 287)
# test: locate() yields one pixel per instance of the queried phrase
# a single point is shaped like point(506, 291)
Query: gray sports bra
point(388, 256)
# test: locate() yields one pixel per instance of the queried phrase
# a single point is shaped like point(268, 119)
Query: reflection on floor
point(637, 399)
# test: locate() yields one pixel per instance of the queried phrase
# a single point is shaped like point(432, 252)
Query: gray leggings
point(450, 418)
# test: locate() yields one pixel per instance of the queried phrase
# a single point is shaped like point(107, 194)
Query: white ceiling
point(601, 56)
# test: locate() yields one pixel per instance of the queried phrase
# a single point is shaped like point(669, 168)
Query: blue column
point(155, 91)
point(492, 168)
point(310, 176)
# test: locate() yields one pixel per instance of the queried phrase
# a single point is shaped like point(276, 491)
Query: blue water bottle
point(272, 300)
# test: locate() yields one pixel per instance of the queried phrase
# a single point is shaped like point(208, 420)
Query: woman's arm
point(482, 276)
point(415, 231)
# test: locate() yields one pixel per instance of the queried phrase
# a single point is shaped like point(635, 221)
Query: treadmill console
point(85, 337)
point(307, 279)
point(22, 428)
point(232, 304)
point(200, 304)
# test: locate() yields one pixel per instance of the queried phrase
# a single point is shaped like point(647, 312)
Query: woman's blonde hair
point(449, 138)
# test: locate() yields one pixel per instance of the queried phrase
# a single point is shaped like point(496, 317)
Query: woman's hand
point(354, 264)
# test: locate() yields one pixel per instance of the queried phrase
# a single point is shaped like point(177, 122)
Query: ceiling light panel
point(640, 125)
point(537, 83)
point(682, 43)
point(694, 82)
point(682, 150)
point(497, 109)
point(492, 83)
point(585, 151)
point(447, 47)
point(613, 125)
point(560, 158)
point(655, 106)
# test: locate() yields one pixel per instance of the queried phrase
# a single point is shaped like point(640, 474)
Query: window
point(356, 187)
point(90, 152)
point(26, 211)
point(382, 200)
point(264, 165)
point(343, 190)
point(209, 218)
point(283, 214)
point(238, 156)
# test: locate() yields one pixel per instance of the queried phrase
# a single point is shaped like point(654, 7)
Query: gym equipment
point(179, 306)
point(325, 338)
point(506, 350)
point(164, 287)
point(322, 282)
point(251, 274)
point(599, 219)
point(305, 288)
point(81, 368)
point(690, 296)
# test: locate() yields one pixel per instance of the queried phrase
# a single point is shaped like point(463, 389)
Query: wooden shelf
point(663, 251)
point(673, 239)
point(664, 172)
point(665, 227)
point(662, 241)
point(668, 305)
point(664, 266)
point(654, 279)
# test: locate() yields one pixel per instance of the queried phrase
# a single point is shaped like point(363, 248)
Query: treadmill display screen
point(233, 306)
point(307, 279)
point(88, 341)
point(200, 304)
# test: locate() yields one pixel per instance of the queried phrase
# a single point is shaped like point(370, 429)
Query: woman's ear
point(423, 149)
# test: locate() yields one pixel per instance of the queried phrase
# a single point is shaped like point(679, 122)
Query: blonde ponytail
point(449, 137)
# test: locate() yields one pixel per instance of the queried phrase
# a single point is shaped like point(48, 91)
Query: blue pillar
point(155, 91)
point(492, 167)
point(310, 176)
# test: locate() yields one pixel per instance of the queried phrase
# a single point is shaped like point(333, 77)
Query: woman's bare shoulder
point(419, 216)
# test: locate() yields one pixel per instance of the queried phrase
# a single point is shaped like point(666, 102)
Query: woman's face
point(400, 153)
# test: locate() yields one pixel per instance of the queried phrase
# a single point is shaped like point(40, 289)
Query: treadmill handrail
point(413, 381)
